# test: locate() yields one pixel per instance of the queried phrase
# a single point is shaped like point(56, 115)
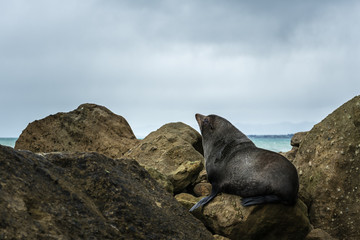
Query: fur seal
point(235, 165)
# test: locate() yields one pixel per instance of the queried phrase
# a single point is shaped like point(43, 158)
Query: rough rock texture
point(318, 234)
point(296, 140)
point(202, 177)
point(174, 150)
point(161, 179)
point(202, 189)
point(328, 162)
point(225, 216)
point(86, 196)
point(187, 200)
point(218, 237)
point(290, 155)
point(88, 128)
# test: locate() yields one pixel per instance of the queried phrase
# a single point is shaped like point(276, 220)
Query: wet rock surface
point(86, 196)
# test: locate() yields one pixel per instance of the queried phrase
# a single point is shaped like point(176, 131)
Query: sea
point(276, 143)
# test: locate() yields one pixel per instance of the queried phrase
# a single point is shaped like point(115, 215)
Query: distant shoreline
point(277, 143)
point(271, 135)
point(250, 135)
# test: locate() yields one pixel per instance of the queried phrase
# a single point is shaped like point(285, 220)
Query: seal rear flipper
point(205, 200)
point(249, 201)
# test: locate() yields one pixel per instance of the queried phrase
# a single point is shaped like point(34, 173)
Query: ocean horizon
point(276, 143)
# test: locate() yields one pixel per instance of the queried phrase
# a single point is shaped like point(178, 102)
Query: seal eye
point(206, 122)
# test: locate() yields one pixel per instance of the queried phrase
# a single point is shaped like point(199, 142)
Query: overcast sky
point(267, 66)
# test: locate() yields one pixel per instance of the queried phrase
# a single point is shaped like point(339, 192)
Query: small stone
point(202, 189)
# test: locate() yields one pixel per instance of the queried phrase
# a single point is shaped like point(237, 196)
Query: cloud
point(153, 62)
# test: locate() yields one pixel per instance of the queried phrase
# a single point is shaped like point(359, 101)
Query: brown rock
point(161, 179)
point(173, 150)
point(318, 234)
point(225, 216)
point(86, 196)
point(328, 163)
point(295, 142)
point(86, 129)
point(290, 154)
point(187, 200)
point(218, 237)
point(202, 176)
point(297, 139)
point(202, 189)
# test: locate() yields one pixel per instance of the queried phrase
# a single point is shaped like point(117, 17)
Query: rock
point(202, 189)
point(328, 162)
point(161, 179)
point(318, 234)
point(173, 150)
point(297, 139)
point(187, 200)
point(86, 129)
point(295, 142)
point(290, 155)
point(86, 196)
point(225, 216)
point(202, 177)
point(218, 237)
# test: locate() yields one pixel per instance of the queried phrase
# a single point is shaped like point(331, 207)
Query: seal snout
point(199, 119)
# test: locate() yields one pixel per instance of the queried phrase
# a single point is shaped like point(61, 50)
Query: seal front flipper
point(249, 201)
point(205, 200)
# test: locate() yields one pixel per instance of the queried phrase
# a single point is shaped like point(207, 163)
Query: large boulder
point(328, 162)
point(173, 150)
point(88, 128)
point(86, 196)
point(225, 216)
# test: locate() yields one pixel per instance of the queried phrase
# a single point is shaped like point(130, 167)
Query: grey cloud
point(160, 61)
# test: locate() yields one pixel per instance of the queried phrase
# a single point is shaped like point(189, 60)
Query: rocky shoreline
point(83, 174)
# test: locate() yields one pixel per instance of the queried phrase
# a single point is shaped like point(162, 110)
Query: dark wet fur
point(249, 201)
point(236, 166)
